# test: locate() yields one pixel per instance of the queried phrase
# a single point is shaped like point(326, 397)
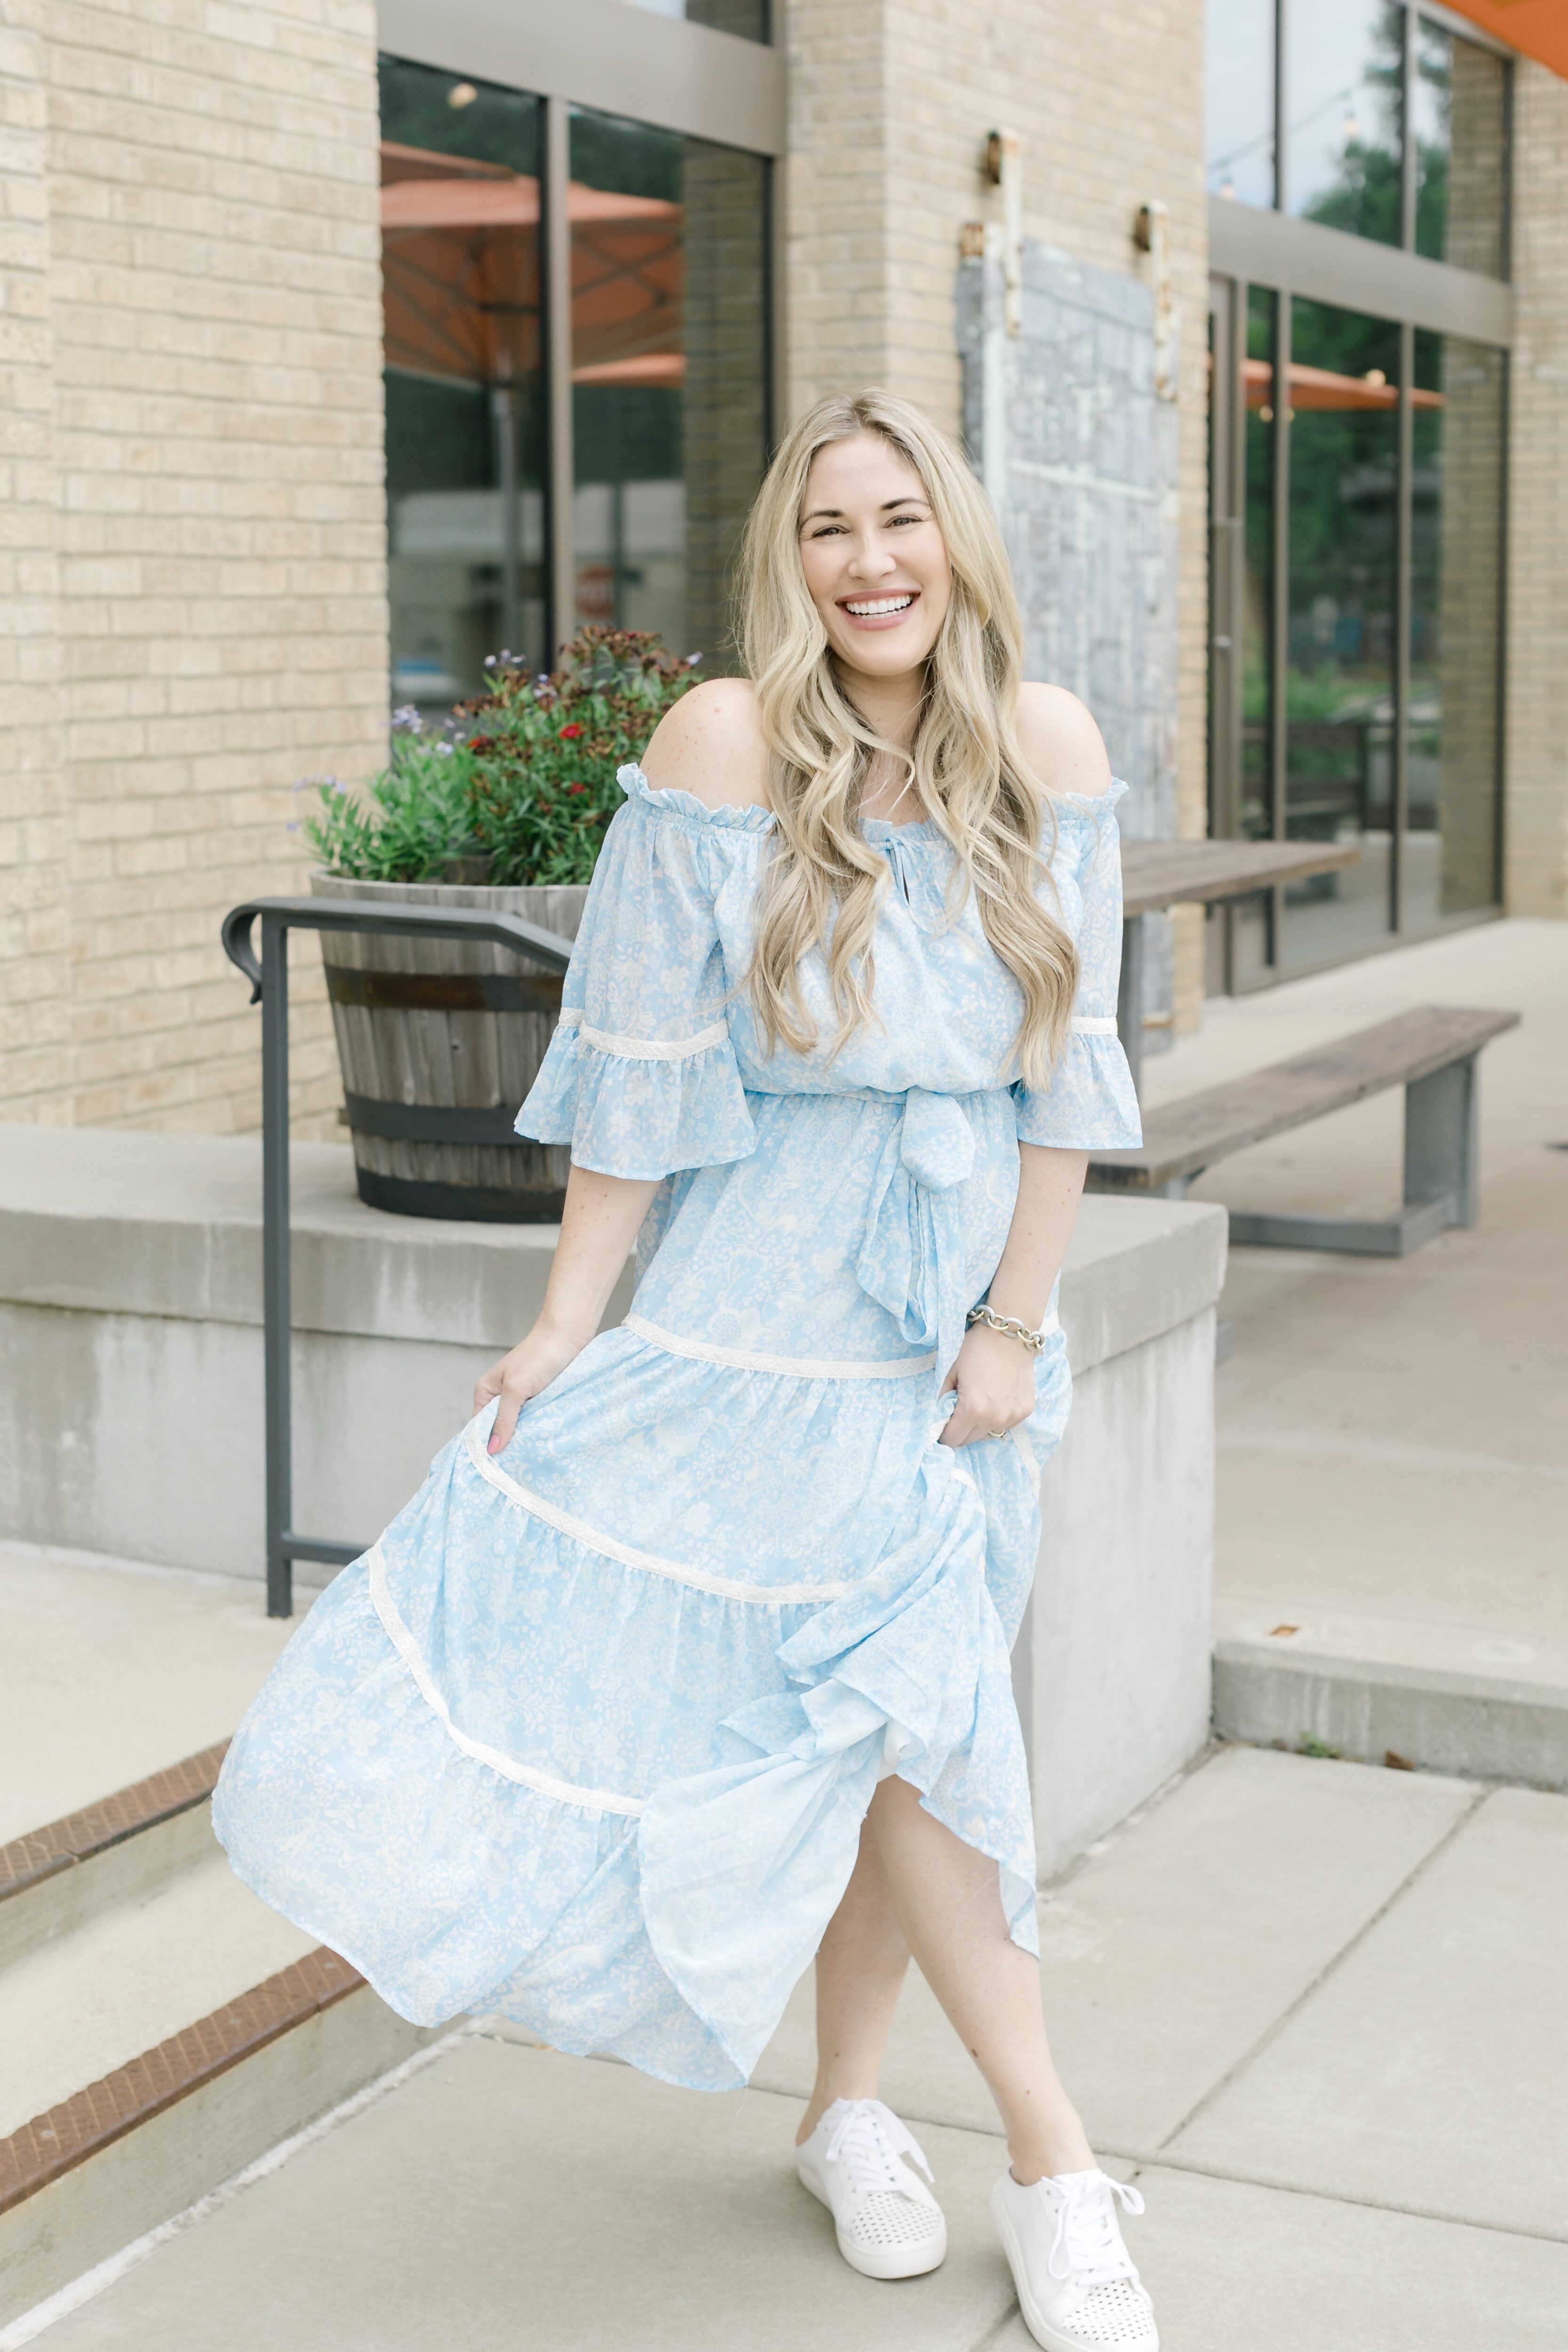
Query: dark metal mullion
point(775, 345)
point(1407, 159)
point(1403, 590)
point(1279, 611)
point(1230, 385)
point(561, 599)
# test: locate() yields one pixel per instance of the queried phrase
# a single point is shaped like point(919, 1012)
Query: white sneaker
point(1078, 2289)
point(890, 2225)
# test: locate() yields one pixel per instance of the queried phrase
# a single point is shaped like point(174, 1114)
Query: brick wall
point(1536, 768)
point(890, 102)
point(191, 572)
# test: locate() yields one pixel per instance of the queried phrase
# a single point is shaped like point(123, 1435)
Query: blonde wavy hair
point(824, 885)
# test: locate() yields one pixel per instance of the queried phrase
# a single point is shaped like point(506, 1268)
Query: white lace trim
point(805, 1368)
point(727, 1588)
point(1095, 1025)
point(1030, 1459)
point(566, 1792)
point(646, 1049)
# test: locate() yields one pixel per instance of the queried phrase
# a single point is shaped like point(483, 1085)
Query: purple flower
point(406, 720)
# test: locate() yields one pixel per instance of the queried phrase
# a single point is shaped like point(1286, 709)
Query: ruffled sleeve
point(640, 1077)
point(1089, 1103)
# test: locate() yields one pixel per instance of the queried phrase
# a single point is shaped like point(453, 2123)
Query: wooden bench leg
point(1440, 1139)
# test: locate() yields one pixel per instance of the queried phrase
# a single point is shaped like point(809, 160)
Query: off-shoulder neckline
point(747, 818)
point(751, 817)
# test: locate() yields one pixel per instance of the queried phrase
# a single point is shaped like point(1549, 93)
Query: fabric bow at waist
point(912, 1259)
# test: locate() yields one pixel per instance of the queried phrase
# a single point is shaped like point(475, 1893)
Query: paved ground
point(1393, 1477)
point(109, 1674)
point(1314, 2008)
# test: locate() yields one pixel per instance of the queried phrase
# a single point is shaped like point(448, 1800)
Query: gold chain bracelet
point(1009, 1327)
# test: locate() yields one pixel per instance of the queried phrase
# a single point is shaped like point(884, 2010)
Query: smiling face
point(875, 560)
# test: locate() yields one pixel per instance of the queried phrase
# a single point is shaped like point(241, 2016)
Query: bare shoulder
point(711, 744)
point(1059, 738)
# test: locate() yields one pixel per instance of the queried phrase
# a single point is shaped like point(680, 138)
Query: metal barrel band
point(443, 991)
point(400, 1122)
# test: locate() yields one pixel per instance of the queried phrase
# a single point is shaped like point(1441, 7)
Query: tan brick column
point(890, 102)
point(194, 404)
point(1535, 806)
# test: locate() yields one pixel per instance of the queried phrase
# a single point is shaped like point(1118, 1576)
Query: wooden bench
point(1430, 1050)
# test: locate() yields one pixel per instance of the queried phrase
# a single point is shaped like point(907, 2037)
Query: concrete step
point(159, 2028)
point(1441, 1697)
point(119, 1851)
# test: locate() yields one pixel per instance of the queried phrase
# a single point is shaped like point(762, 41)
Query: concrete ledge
point(1473, 1725)
point(169, 1225)
point(131, 1383)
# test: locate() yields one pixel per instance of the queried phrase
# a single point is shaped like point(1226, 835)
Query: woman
point(690, 1661)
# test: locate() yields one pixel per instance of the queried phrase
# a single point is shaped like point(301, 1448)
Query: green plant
point(524, 779)
point(412, 823)
point(545, 750)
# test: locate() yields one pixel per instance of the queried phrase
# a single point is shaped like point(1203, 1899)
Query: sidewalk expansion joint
point(1330, 1967)
point(1246, 2177)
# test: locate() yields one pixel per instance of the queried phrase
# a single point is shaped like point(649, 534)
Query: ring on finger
point(996, 1432)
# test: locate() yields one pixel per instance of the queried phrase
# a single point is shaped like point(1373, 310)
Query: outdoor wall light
point(1004, 170)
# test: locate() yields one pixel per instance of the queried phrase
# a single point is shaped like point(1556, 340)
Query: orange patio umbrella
point(460, 264)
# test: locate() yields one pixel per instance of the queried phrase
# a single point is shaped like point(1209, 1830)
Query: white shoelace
point(866, 2140)
point(1088, 2241)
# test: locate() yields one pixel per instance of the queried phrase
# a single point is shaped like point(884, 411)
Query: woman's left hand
point(994, 1378)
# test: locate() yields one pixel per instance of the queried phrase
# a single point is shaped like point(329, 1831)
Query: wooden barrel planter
point(439, 1040)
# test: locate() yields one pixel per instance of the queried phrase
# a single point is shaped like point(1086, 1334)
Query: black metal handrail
point(268, 976)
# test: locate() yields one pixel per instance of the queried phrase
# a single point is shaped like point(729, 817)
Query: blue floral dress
point(588, 1736)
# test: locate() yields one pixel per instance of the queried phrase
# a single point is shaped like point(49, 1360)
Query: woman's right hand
point(526, 1372)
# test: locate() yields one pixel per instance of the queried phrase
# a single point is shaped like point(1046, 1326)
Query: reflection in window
point(1456, 598)
point(1342, 76)
point(1459, 113)
point(1343, 523)
point(464, 405)
point(1241, 100)
point(668, 404)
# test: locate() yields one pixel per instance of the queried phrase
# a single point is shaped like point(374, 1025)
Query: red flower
point(570, 734)
point(574, 789)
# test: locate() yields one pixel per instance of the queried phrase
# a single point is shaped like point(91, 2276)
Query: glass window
point(465, 397)
point(1343, 70)
point(1241, 100)
point(747, 19)
point(1450, 852)
point(1343, 525)
point(1459, 117)
point(668, 289)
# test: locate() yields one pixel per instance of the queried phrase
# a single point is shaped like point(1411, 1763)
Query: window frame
point(613, 58)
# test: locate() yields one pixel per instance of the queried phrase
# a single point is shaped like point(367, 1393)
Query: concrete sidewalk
point(1393, 1476)
point(1314, 2008)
